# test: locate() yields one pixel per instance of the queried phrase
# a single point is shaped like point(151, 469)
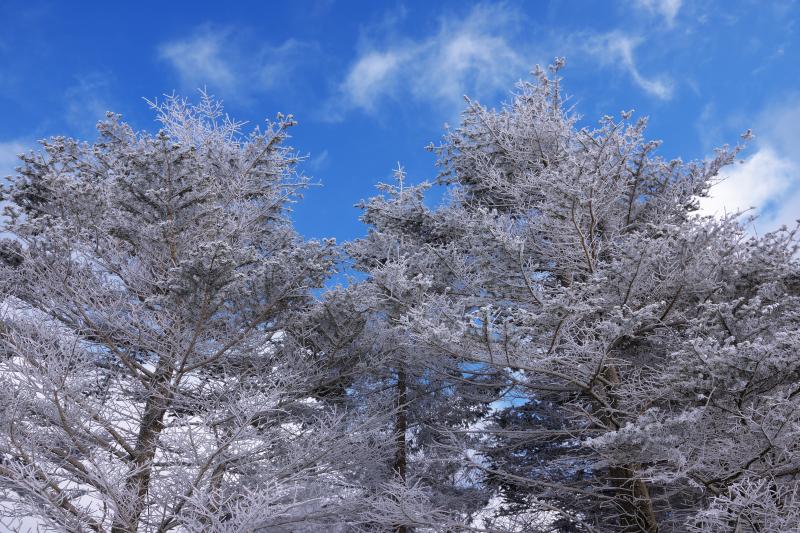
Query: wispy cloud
point(373, 76)
point(473, 55)
point(666, 9)
point(87, 101)
point(480, 55)
point(318, 162)
point(231, 61)
point(202, 58)
point(618, 49)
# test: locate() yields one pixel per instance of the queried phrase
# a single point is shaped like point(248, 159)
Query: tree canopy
point(564, 344)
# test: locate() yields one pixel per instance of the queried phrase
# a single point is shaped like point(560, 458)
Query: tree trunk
point(400, 427)
point(137, 482)
point(636, 506)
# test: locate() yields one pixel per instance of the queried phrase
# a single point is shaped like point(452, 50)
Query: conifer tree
point(642, 351)
point(431, 394)
point(150, 378)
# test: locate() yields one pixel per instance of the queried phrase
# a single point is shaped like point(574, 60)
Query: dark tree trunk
point(137, 483)
point(634, 501)
point(400, 427)
point(633, 496)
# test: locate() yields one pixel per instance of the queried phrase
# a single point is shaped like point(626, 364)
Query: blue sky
point(372, 83)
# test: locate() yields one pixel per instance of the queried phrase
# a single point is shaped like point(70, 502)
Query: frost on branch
point(150, 378)
point(563, 345)
point(640, 358)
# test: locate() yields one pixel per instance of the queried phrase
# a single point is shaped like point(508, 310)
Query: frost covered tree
point(563, 345)
point(642, 356)
point(151, 378)
point(720, 431)
point(428, 392)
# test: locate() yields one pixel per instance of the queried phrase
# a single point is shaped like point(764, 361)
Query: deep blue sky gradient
point(702, 71)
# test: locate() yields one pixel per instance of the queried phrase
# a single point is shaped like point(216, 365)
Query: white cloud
point(617, 48)
point(787, 212)
point(481, 55)
point(473, 55)
point(201, 58)
point(373, 76)
point(755, 182)
point(230, 62)
point(769, 179)
point(667, 9)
